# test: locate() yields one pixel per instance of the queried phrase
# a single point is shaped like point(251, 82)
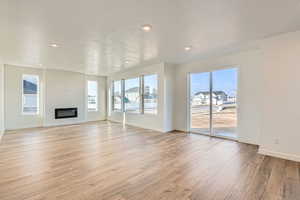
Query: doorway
point(213, 103)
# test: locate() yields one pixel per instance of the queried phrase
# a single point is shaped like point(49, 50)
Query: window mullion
point(210, 105)
point(113, 96)
point(142, 94)
point(123, 95)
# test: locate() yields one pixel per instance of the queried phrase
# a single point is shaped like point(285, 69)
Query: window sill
point(150, 114)
point(93, 111)
point(30, 114)
point(133, 113)
point(116, 111)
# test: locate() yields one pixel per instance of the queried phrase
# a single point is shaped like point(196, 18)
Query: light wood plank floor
point(104, 161)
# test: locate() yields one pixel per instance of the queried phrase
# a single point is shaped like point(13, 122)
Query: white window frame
point(141, 93)
point(38, 94)
point(97, 96)
point(113, 96)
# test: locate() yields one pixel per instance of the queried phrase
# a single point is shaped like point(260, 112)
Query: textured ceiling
point(98, 37)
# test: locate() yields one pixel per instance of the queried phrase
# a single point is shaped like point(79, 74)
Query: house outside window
point(92, 98)
point(30, 94)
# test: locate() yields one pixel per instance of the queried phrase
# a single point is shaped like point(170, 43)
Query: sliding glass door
point(200, 106)
point(224, 115)
point(213, 100)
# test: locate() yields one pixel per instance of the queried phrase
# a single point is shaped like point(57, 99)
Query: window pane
point(224, 102)
point(150, 94)
point(92, 95)
point(200, 102)
point(30, 94)
point(132, 95)
point(117, 96)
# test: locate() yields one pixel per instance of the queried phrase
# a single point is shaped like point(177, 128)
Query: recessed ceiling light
point(54, 45)
point(126, 62)
point(188, 48)
point(146, 27)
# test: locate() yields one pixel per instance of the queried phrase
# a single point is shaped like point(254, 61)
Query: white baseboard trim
point(54, 125)
point(139, 126)
point(116, 121)
point(23, 128)
point(71, 123)
point(95, 120)
point(241, 140)
point(63, 123)
point(285, 156)
point(181, 130)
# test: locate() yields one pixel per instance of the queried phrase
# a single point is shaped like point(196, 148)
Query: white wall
point(1, 99)
point(281, 85)
point(57, 89)
point(64, 90)
point(157, 122)
point(69, 89)
point(14, 119)
point(249, 91)
point(169, 96)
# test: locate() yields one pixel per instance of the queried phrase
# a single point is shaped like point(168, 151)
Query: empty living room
point(149, 100)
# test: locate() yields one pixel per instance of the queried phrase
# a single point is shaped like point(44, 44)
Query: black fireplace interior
point(61, 113)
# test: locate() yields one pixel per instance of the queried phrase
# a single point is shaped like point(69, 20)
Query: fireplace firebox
point(61, 113)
